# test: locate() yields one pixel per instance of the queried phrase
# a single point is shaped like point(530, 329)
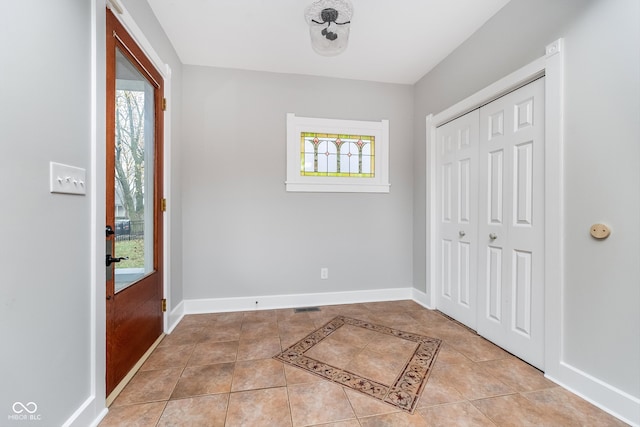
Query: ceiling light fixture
point(329, 22)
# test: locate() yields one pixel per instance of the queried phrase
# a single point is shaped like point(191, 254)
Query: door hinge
point(164, 305)
point(164, 104)
point(163, 205)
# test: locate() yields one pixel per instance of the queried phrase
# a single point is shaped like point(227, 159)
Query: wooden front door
point(134, 293)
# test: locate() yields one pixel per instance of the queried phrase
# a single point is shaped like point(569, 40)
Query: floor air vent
point(305, 309)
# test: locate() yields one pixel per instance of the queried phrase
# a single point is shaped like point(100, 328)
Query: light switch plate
point(65, 179)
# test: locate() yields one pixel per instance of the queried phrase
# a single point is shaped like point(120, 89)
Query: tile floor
point(217, 370)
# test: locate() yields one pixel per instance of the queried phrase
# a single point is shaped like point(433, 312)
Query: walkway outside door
point(133, 206)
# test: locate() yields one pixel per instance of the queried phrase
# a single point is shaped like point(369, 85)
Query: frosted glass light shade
point(329, 23)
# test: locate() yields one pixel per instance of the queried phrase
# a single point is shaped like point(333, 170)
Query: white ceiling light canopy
point(329, 23)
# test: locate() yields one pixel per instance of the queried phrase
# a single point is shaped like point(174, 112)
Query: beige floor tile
point(212, 352)
point(347, 423)
point(210, 360)
point(142, 415)
point(310, 404)
point(260, 316)
point(333, 352)
point(295, 375)
point(396, 419)
point(366, 406)
point(289, 314)
point(266, 407)
point(228, 324)
point(220, 334)
point(473, 382)
point(478, 349)
point(354, 335)
point(149, 386)
point(255, 374)
point(455, 414)
point(449, 331)
point(400, 347)
point(400, 321)
point(258, 329)
point(517, 374)
point(289, 326)
point(258, 348)
point(516, 411)
point(559, 399)
point(184, 336)
point(175, 356)
point(400, 306)
point(229, 318)
point(438, 391)
point(290, 338)
point(450, 356)
point(381, 367)
point(203, 411)
point(207, 379)
point(320, 318)
point(428, 317)
point(199, 320)
point(358, 311)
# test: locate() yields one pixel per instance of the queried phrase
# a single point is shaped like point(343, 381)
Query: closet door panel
point(511, 228)
point(456, 259)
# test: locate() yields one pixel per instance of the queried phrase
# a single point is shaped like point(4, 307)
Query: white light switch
point(67, 179)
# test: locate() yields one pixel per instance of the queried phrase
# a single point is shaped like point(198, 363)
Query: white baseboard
point(606, 397)
point(88, 414)
point(175, 316)
point(218, 305)
point(421, 298)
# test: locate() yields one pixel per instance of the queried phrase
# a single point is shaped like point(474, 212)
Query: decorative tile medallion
point(403, 393)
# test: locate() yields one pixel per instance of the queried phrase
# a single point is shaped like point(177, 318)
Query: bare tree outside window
point(129, 160)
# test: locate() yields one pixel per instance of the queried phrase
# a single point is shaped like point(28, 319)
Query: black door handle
point(111, 260)
point(109, 231)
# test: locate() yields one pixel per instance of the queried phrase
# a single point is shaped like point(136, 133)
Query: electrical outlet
point(324, 273)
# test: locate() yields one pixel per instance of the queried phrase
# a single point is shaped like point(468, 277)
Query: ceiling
point(394, 41)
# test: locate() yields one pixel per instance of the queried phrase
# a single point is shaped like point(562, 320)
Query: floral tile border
point(407, 387)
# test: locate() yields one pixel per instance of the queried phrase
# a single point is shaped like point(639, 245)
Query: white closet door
point(511, 226)
point(457, 183)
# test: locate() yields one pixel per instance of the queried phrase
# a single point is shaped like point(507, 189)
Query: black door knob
point(112, 260)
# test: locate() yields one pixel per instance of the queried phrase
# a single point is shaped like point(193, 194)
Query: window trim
point(296, 182)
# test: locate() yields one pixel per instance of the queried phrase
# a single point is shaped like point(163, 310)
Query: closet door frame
point(550, 66)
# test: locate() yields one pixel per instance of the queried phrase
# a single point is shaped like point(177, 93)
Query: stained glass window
point(334, 155)
point(323, 154)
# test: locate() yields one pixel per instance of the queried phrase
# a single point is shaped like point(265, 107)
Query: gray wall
point(146, 20)
point(45, 115)
point(602, 130)
point(244, 235)
point(46, 287)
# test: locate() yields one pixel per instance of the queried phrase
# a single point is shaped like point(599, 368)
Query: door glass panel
point(134, 161)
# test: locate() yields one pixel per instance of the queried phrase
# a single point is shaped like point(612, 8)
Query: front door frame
point(164, 69)
point(98, 190)
point(551, 66)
